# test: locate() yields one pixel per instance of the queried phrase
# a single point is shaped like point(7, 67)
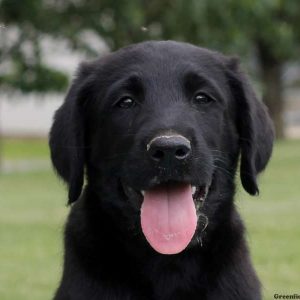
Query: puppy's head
point(158, 127)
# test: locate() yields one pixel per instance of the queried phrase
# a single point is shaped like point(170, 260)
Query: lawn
point(32, 213)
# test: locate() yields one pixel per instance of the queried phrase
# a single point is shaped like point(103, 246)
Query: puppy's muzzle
point(169, 149)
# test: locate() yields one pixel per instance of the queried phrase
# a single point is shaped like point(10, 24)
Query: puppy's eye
point(202, 98)
point(125, 102)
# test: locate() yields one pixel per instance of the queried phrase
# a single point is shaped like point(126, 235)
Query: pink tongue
point(168, 218)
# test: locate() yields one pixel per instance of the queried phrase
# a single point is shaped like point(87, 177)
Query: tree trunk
point(271, 75)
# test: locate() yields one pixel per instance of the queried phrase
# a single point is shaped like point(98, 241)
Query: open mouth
point(169, 214)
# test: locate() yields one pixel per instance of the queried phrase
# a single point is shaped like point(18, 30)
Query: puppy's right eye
point(202, 98)
point(125, 102)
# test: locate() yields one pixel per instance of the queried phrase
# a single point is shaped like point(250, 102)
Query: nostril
point(182, 153)
point(158, 155)
point(169, 149)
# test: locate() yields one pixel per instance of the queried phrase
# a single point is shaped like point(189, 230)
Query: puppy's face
point(162, 130)
point(161, 119)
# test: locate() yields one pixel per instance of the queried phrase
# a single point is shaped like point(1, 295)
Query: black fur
point(106, 253)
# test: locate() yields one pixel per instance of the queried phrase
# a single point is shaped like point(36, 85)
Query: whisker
point(226, 172)
point(215, 150)
point(221, 161)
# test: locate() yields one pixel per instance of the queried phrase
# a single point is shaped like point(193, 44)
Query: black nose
point(169, 149)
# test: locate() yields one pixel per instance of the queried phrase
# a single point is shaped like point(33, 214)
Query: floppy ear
point(254, 125)
point(66, 140)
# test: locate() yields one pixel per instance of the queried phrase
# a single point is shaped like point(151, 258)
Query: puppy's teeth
point(193, 190)
point(143, 193)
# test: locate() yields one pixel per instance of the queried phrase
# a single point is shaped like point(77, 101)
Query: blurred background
point(41, 44)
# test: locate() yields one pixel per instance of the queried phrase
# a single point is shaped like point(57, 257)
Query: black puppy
point(156, 130)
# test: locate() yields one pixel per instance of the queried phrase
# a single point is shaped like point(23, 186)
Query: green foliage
point(21, 12)
point(37, 78)
point(273, 23)
point(27, 73)
point(231, 25)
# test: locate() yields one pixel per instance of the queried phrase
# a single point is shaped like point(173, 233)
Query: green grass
point(32, 213)
point(273, 221)
point(25, 149)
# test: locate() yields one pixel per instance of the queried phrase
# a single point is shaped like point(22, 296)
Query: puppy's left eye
point(125, 102)
point(202, 98)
